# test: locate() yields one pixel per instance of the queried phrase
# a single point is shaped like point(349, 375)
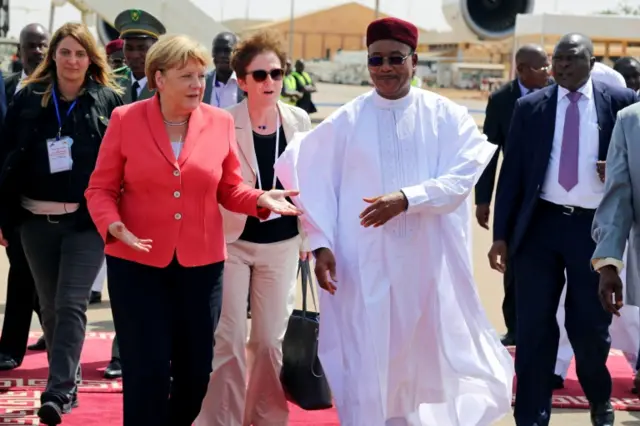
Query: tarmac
point(489, 283)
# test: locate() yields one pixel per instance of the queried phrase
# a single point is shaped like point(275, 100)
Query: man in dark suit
point(22, 300)
point(532, 67)
point(630, 69)
point(222, 89)
point(548, 191)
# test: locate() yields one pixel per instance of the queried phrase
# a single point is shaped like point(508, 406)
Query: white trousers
point(98, 284)
point(625, 332)
point(244, 388)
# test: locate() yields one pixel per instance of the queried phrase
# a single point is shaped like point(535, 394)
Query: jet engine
point(484, 19)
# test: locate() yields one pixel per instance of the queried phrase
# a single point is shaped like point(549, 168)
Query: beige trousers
point(244, 388)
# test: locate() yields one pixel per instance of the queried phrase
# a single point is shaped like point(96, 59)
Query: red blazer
point(138, 181)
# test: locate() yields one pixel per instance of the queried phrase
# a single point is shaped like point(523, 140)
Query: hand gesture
point(610, 290)
point(3, 241)
point(276, 201)
point(325, 269)
point(483, 211)
point(118, 230)
point(498, 256)
point(382, 209)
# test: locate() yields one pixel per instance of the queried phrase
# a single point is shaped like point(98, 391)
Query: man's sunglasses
point(261, 75)
point(378, 61)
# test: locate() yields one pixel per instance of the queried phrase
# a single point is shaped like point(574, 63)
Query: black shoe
point(557, 382)
point(50, 414)
point(113, 370)
point(40, 345)
point(8, 363)
point(96, 297)
point(602, 414)
point(508, 339)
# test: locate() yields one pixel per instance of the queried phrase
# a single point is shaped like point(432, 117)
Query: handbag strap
point(304, 269)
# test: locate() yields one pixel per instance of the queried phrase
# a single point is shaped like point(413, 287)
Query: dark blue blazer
point(3, 99)
point(528, 150)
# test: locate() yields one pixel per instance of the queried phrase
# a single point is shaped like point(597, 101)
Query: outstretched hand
point(118, 230)
point(383, 208)
point(276, 201)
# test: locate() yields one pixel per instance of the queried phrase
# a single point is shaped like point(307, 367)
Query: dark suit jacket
point(11, 84)
point(496, 126)
point(208, 90)
point(528, 150)
point(3, 98)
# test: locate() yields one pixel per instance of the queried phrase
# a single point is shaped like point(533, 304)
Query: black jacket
point(21, 128)
point(11, 84)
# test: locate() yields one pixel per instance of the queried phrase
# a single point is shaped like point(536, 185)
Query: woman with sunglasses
point(263, 254)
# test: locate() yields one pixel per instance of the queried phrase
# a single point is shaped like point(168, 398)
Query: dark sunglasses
point(261, 75)
point(378, 61)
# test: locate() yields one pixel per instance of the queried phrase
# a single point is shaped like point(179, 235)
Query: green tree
point(623, 8)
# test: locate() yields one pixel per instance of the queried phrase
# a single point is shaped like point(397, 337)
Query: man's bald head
point(33, 43)
point(226, 37)
point(223, 45)
point(529, 53)
point(572, 61)
point(532, 64)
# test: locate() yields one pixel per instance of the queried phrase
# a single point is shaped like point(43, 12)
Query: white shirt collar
point(142, 82)
point(384, 103)
point(23, 76)
point(233, 78)
point(586, 90)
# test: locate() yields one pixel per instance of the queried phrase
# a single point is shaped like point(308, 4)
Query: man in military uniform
point(115, 55)
point(139, 30)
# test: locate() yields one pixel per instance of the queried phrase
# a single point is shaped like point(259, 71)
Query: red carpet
point(101, 399)
point(622, 398)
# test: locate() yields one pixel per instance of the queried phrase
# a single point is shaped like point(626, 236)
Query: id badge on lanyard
point(59, 148)
point(257, 171)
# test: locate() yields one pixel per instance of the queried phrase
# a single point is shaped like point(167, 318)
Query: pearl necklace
point(172, 124)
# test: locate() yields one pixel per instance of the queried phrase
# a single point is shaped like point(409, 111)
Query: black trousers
point(64, 262)
point(164, 319)
point(509, 300)
point(556, 241)
point(22, 301)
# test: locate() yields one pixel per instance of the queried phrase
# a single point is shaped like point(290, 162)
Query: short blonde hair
point(173, 51)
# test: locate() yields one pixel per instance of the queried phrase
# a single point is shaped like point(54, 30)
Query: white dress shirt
point(589, 190)
point(23, 77)
point(141, 83)
point(225, 95)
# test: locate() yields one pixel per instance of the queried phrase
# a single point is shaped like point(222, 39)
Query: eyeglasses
point(261, 75)
point(378, 61)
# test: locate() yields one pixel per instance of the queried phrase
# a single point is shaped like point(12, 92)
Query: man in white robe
point(384, 186)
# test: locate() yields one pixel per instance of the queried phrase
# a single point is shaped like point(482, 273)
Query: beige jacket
point(294, 120)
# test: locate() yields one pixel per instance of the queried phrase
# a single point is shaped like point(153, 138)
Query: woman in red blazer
point(164, 166)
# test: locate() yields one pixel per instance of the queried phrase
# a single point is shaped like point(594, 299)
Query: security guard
point(290, 94)
point(304, 85)
point(139, 30)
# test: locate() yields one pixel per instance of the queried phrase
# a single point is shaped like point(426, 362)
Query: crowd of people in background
point(199, 193)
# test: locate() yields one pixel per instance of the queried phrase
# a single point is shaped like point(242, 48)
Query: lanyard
point(55, 104)
point(273, 186)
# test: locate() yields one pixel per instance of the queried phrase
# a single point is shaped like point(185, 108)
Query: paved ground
point(489, 282)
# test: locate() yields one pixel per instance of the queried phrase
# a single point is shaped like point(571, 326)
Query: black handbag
point(302, 376)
